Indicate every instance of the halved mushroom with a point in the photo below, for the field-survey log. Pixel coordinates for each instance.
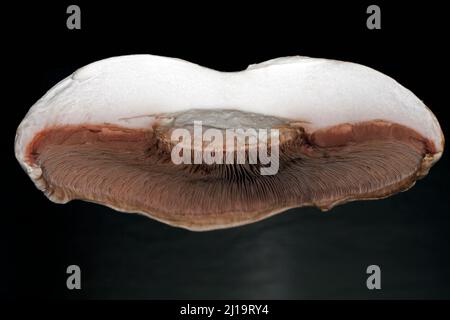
(346, 132)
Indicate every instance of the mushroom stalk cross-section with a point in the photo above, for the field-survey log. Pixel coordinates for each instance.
(344, 132)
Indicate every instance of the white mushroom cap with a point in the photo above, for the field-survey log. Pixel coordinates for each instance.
(131, 91)
(320, 91)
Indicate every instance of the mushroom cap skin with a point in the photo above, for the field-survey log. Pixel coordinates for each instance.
(337, 121)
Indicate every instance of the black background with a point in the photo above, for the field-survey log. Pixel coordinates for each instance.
(303, 253)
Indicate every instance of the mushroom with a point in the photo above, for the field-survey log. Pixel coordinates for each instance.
(345, 132)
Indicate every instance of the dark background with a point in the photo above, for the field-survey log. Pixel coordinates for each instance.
(302, 253)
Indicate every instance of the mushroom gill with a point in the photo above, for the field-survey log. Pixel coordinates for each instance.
(346, 132)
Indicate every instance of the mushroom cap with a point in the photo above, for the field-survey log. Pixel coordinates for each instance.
(133, 91)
